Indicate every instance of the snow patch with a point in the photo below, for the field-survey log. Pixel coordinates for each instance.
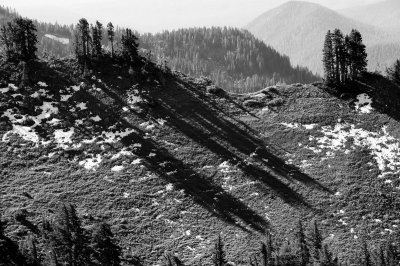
(42, 84)
(24, 132)
(96, 118)
(225, 167)
(91, 163)
(82, 106)
(63, 137)
(290, 125)
(58, 39)
(384, 148)
(117, 168)
(364, 104)
(136, 161)
(121, 153)
(65, 98)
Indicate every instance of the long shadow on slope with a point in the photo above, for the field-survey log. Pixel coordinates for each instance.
(203, 124)
(203, 191)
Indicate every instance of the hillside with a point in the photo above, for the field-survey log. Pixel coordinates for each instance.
(170, 165)
(298, 28)
(383, 14)
(234, 59)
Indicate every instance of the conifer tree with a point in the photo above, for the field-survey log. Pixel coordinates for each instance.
(303, 252)
(129, 46)
(316, 241)
(219, 253)
(26, 39)
(266, 250)
(97, 36)
(111, 34)
(328, 59)
(338, 53)
(71, 244)
(394, 72)
(18, 39)
(357, 54)
(82, 41)
(105, 251)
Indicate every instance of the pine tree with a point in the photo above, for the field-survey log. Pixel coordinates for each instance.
(82, 41)
(357, 54)
(129, 46)
(219, 253)
(111, 34)
(97, 36)
(328, 59)
(18, 40)
(338, 52)
(266, 250)
(105, 251)
(394, 72)
(68, 239)
(26, 38)
(303, 251)
(316, 241)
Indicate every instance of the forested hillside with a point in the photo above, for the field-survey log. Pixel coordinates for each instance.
(234, 59)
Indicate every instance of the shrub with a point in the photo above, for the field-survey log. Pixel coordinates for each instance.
(253, 104)
(214, 90)
(276, 102)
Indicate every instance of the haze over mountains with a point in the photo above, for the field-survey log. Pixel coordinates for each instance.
(298, 28)
(384, 14)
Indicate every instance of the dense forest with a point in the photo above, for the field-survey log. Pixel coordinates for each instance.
(234, 59)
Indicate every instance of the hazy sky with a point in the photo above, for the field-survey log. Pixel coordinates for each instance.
(156, 15)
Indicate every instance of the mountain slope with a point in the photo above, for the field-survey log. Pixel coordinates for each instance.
(384, 14)
(298, 30)
(170, 166)
(232, 58)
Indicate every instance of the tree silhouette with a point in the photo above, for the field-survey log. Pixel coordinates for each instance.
(219, 257)
(111, 34)
(105, 251)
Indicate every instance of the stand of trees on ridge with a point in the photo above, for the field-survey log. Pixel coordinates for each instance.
(344, 57)
(18, 45)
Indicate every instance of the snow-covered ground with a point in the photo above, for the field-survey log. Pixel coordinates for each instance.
(63, 138)
(364, 104)
(345, 137)
(58, 39)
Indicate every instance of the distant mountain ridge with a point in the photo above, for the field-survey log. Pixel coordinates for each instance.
(384, 14)
(297, 29)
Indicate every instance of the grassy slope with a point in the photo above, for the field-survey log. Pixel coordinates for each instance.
(269, 183)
